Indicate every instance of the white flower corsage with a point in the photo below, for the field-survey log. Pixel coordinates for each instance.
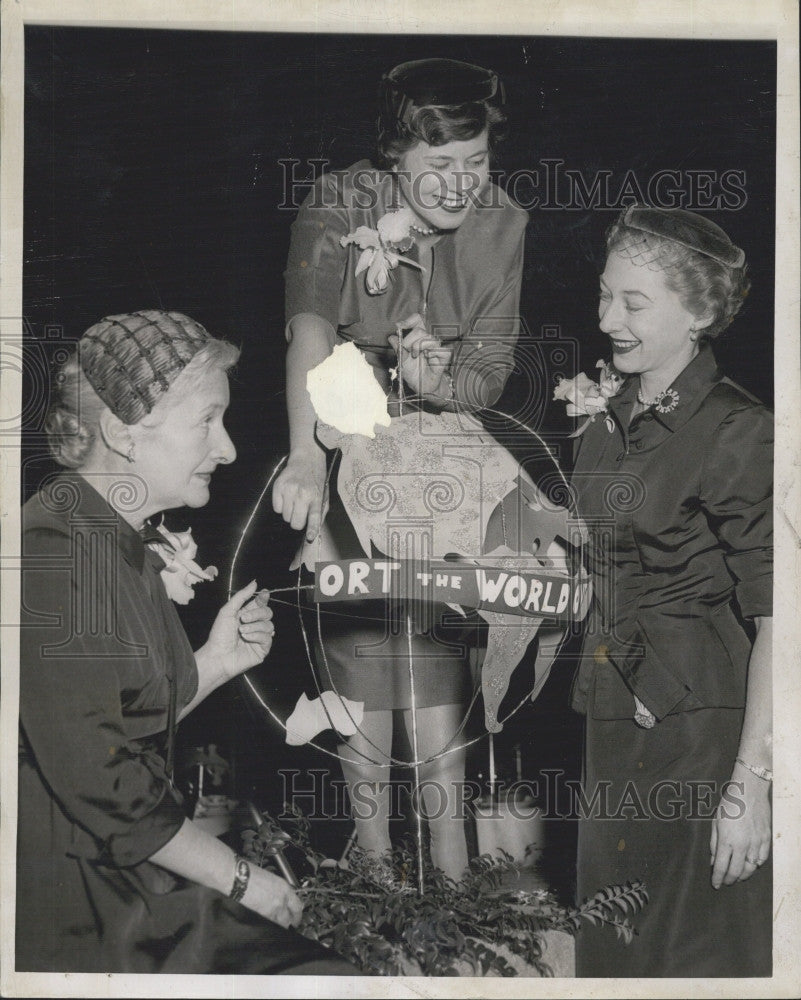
(381, 248)
(181, 572)
(587, 398)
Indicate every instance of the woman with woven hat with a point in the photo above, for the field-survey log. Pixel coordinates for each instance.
(675, 483)
(419, 263)
(111, 876)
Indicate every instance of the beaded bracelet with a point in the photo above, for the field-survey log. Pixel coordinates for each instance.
(760, 772)
(241, 879)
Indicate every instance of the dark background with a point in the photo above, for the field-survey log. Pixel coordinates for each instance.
(152, 179)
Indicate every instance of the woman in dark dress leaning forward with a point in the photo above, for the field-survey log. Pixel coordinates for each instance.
(675, 482)
(111, 875)
(447, 327)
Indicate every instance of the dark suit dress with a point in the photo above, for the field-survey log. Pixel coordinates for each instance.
(679, 510)
(100, 645)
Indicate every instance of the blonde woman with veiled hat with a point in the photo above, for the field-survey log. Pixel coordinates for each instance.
(111, 875)
(674, 481)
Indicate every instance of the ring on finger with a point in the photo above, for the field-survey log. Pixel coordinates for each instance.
(754, 861)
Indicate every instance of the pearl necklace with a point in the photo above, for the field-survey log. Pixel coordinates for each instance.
(423, 230)
(647, 402)
(664, 402)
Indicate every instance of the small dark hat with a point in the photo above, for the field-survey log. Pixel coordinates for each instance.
(687, 229)
(438, 83)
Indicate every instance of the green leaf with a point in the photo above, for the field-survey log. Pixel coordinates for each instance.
(382, 931)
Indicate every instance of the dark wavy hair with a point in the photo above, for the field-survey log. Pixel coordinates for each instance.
(437, 126)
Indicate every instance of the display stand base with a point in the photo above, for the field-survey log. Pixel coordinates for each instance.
(516, 828)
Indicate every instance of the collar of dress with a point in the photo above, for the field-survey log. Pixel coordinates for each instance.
(692, 386)
(90, 506)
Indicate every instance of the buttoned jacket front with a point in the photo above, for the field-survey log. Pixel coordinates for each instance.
(678, 506)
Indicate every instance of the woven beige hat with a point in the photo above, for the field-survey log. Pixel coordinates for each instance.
(132, 359)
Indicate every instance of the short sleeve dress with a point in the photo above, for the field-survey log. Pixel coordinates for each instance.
(101, 644)
(473, 294)
(679, 509)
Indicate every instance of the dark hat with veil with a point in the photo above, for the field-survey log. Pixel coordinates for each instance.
(687, 229)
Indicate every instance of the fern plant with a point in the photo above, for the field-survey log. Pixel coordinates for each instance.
(371, 914)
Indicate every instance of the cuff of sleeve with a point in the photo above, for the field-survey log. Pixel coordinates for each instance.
(755, 597)
(312, 290)
(188, 690)
(147, 834)
(648, 677)
(476, 388)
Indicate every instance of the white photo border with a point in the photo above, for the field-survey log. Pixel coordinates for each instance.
(720, 19)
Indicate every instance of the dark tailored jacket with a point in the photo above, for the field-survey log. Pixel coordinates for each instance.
(679, 508)
(99, 641)
(474, 290)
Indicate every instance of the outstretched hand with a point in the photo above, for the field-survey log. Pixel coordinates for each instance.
(242, 633)
(299, 493)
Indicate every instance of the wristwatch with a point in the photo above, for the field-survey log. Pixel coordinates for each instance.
(241, 879)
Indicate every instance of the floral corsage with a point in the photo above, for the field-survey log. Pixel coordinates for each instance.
(180, 574)
(587, 398)
(381, 248)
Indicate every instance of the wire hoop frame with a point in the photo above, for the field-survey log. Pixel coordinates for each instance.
(298, 588)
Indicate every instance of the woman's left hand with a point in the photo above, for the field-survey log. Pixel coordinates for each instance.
(741, 831)
(423, 361)
(242, 633)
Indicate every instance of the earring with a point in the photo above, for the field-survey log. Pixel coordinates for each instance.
(693, 334)
(130, 455)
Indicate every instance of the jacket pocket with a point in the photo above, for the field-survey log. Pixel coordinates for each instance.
(678, 665)
(649, 666)
(706, 656)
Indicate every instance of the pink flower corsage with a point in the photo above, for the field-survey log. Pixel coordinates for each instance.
(587, 398)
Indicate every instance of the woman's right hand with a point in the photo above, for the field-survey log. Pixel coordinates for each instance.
(423, 360)
(272, 897)
(299, 492)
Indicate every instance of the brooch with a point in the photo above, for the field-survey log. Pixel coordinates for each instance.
(667, 401)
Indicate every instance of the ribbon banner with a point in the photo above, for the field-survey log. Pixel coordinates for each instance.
(539, 593)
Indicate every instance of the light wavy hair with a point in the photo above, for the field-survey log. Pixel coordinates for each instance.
(706, 287)
(73, 420)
